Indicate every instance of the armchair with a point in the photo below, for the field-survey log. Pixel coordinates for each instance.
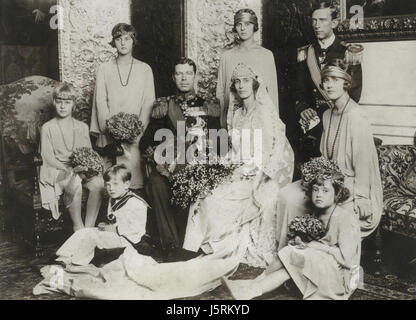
(25, 105)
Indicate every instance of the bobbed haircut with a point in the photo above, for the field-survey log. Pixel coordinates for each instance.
(119, 170)
(253, 17)
(64, 90)
(183, 60)
(325, 4)
(120, 29)
(342, 193)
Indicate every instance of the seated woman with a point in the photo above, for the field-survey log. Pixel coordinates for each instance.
(239, 217)
(234, 224)
(59, 138)
(323, 269)
(346, 139)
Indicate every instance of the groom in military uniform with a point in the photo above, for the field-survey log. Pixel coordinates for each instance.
(168, 112)
(311, 99)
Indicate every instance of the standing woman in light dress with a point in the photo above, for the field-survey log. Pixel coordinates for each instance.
(123, 84)
(347, 139)
(249, 52)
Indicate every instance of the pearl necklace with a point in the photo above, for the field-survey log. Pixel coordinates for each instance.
(128, 76)
(330, 155)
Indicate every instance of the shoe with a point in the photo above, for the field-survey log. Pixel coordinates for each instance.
(241, 289)
(105, 256)
(145, 247)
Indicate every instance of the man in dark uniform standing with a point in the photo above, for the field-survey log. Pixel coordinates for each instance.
(168, 112)
(311, 100)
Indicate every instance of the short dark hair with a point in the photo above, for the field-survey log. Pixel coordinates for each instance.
(343, 65)
(342, 193)
(119, 169)
(326, 4)
(120, 29)
(253, 16)
(183, 60)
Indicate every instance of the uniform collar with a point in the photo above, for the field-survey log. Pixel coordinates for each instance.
(325, 44)
(181, 96)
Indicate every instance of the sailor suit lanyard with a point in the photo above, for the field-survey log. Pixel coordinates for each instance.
(119, 203)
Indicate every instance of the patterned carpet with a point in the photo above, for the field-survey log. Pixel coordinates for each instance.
(19, 273)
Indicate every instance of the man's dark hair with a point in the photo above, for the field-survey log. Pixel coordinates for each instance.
(184, 60)
(325, 4)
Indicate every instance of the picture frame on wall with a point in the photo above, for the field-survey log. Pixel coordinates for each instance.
(382, 20)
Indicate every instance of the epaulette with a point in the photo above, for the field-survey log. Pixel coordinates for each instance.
(160, 107)
(213, 107)
(302, 53)
(354, 53)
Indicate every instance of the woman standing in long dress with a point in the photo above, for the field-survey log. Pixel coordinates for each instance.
(250, 53)
(234, 224)
(347, 139)
(123, 84)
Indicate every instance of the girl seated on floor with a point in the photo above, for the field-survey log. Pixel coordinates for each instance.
(125, 226)
(59, 139)
(324, 269)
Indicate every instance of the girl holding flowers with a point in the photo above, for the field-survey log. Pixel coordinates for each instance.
(123, 84)
(66, 151)
(325, 268)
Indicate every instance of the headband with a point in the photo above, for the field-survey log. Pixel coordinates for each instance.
(245, 16)
(65, 95)
(242, 71)
(333, 71)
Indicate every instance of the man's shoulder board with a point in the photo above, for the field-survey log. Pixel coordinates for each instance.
(302, 53)
(160, 107)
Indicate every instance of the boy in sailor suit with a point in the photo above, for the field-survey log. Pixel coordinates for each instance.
(126, 215)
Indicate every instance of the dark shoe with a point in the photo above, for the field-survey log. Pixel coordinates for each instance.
(145, 246)
(104, 256)
(179, 254)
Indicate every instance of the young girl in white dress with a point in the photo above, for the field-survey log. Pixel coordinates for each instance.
(59, 138)
(323, 269)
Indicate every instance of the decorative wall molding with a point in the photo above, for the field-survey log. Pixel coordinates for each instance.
(83, 43)
(208, 31)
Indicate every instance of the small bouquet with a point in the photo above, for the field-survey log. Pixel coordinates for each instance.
(195, 181)
(124, 127)
(89, 159)
(307, 228)
(315, 167)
